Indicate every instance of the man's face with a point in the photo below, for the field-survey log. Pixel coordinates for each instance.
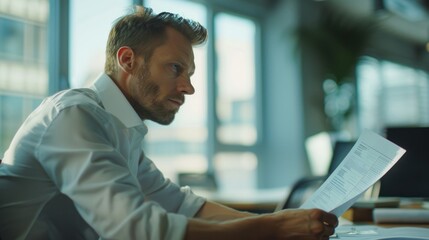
(159, 86)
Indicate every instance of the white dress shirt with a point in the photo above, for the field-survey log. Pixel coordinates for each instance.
(76, 170)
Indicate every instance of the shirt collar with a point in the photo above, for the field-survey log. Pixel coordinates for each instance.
(115, 102)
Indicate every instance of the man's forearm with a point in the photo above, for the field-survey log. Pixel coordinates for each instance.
(241, 228)
(218, 212)
(289, 224)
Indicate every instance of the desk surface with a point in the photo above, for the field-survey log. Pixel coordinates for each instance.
(370, 230)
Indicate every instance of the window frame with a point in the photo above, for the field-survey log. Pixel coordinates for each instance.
(58, 42)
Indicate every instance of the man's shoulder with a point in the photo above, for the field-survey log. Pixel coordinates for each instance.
(76, 97)
(72, 104)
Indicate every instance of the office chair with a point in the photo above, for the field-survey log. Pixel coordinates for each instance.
(301, 191)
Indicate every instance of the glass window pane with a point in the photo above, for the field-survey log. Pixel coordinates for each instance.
(90, 23)
(391, 94)
(235, 48)
(12, 36)
(182, 146)
(23, 62)
(368, 89)
(14, 107)
(236, 170)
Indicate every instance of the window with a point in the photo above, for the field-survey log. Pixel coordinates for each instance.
(235, 101)
(23, 62)
(12, 33)
(391, 94)
(236, 131)
(94, 19)
(216, 130)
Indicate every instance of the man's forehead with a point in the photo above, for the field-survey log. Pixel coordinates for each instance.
(177, 43)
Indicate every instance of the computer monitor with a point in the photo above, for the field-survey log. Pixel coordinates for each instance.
(409, 177)
(340, 150)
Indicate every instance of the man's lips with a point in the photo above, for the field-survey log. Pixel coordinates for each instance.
(178, 102)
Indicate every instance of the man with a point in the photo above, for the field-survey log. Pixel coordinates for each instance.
(76, 170)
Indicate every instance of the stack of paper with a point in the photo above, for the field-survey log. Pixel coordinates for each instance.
(370, 232)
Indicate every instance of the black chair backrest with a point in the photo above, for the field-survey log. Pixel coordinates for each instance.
(301, 191)
(339, 152)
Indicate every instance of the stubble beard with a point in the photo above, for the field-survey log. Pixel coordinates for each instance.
(149, 105)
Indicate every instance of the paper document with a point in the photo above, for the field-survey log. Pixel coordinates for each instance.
(368, 160)
(371, 232)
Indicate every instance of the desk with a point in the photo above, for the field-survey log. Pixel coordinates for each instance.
(252, 200)
(391, 210)
(369, 230)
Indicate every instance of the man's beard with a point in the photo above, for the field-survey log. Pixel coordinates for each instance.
(147, 102)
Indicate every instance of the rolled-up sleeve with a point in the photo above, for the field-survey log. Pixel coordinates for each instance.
(167, 194)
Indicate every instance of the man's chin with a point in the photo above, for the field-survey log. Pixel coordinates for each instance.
(164, 120)
(163, 117)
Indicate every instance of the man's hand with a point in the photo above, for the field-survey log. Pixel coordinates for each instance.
(304, 224)
(289, 224)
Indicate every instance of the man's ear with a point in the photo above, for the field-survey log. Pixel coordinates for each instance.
(126, 59)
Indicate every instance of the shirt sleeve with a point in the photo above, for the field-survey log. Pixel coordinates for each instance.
(167, 194)
(81, 154)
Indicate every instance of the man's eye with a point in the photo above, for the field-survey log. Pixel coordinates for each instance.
(176, 68)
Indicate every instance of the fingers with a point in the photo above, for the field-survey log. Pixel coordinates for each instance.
(324, 223)
(307, 223)
(325, 218)
(329, 219)
(328, 230)
(320, 229)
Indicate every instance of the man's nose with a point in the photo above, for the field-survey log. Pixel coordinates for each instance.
(185, 86)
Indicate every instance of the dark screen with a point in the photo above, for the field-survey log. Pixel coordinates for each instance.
(409, 177)
(341, 149)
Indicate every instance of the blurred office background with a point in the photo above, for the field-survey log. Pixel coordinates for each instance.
(275, 80)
